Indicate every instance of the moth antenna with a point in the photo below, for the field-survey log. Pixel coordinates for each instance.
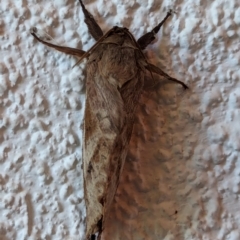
(134, 40)
(87, 53)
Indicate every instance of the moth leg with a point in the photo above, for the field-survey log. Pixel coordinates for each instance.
(152, 68)
(150, 36)
(93, 27)
(67, 50)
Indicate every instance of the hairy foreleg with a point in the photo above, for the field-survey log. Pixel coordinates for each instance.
(147, 38)
(93, 27)
(67, 50)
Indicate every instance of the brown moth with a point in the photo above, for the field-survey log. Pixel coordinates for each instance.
(116, 68)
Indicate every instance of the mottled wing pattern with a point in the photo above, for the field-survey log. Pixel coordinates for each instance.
(114, 84)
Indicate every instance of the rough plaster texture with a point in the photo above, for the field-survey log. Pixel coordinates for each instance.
(182, 176)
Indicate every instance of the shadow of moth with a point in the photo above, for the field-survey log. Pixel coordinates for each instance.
(116, 69)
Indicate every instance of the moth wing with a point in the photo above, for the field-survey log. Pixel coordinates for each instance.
(101, 128)
(108, 124)
(115, 81)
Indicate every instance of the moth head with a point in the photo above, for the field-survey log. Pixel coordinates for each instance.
(122, 32)
(119, 30)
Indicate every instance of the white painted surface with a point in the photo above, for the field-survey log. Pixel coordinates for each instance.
(182, 175)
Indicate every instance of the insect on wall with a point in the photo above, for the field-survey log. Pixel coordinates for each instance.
(116, 70)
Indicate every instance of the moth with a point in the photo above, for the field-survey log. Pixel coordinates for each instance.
(116, 71)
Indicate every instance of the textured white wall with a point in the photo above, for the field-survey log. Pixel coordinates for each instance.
(182, 177)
